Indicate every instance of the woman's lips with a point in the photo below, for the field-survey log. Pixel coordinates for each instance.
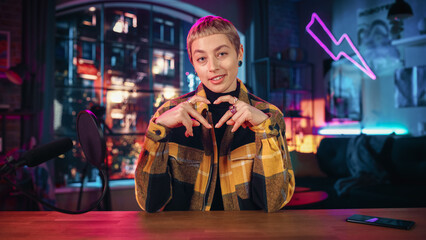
(217, 79)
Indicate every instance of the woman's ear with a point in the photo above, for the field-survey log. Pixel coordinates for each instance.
(241, 52)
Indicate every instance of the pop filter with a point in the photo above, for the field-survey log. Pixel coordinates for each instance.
(93, 144)
(91, 138)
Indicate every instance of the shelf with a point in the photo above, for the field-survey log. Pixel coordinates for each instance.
(284, 63)
(297, 117)
(289, 86)
(17, 113)
(292, 90)
(297, 91)
(419, 40)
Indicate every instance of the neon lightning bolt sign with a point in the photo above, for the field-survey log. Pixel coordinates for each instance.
(345, 36)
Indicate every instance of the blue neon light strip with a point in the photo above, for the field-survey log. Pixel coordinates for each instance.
(357, 131)
(339, 131)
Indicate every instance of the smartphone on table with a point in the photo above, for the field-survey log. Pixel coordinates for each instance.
(379, 221)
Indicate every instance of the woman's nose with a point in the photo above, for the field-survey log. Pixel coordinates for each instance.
(213, 65)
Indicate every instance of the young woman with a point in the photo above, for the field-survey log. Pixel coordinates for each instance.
(219, 147)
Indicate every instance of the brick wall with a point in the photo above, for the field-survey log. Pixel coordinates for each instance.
(10, 94)
(283, 26)
(11, 21)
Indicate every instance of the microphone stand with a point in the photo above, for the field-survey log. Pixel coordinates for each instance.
(8, 168)
(83, 176)
(99, 112)
(106, 203)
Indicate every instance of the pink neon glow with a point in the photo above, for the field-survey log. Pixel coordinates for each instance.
(364, 66)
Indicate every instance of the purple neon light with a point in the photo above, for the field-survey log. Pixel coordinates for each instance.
(345, 36)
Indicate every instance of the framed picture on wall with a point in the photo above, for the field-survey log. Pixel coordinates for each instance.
(410, 87)
(344, 91)
(4, 50)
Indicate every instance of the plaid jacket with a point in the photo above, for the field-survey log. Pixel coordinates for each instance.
(179, 173)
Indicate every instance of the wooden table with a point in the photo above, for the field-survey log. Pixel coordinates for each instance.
(287, 224)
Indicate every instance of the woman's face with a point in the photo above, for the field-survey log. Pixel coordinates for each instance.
(216, 62)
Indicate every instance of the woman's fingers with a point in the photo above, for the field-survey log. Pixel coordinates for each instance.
(195, 123)
(239, 114)
(239, 120)
(227, 98)
(193, 113)
(187, 123)
(228, 114)
(194, 99)
(183, 114)
(199, 118)
(224, 119)
(190, 113)
(232, 119)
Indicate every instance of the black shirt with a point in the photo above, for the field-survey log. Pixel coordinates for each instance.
(217, 111)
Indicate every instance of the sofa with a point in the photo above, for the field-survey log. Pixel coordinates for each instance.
(361, 172)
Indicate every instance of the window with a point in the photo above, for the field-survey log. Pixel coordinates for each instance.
(164, 31)
(122, 62)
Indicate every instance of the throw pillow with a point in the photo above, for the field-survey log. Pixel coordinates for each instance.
(305, 165)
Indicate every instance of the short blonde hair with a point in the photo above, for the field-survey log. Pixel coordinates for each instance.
(210, 25)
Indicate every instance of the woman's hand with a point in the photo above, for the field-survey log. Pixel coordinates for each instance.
(243, 114)
(184, 114)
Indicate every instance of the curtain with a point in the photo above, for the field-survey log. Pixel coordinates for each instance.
(258, 42)
(37, 96)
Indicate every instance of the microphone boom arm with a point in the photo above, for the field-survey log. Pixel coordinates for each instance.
(52, 207)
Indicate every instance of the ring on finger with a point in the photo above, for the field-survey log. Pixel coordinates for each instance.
(189, 101)
(235, 100)
(233, 109)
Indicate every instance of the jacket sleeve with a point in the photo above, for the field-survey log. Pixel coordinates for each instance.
(273, 179)
(152, 176)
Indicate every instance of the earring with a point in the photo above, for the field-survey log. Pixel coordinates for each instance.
(196, 74)
(240, 63)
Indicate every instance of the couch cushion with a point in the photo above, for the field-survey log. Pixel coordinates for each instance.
(305, 165)
(409, 158)
(331, 155)
(387, 195)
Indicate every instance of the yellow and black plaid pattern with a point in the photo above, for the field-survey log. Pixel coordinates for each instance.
(180, 173)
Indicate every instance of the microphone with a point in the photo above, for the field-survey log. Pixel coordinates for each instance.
(38, 155)
(41, 154)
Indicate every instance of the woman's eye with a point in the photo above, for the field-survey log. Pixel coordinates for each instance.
(201, 59)
(222, 54)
